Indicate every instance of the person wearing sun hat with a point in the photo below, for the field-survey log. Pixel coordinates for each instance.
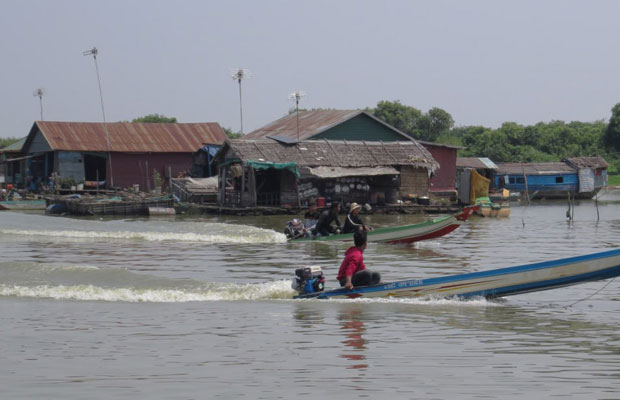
(353, 223)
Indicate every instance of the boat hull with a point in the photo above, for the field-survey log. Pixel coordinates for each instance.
(408, 233)
(22, 205)
(494, 283)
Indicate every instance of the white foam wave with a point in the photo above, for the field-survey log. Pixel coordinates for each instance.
(262, 236)
(264, 291)
(425, 301)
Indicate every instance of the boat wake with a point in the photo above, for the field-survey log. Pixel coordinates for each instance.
(245, 234)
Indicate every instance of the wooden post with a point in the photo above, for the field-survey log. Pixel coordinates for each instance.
(596, 201)
(148, 184)
(243, 183)
(170, 177)
(527, 194)
(253, 194)
(97, 183)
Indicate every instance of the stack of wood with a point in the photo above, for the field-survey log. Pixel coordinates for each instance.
(195, 190)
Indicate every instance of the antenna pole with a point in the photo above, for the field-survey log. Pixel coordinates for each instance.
(41, 103)
(240, 105)
(297, 107)
(94, 53)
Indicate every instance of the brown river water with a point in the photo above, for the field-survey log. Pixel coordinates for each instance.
(200, 307)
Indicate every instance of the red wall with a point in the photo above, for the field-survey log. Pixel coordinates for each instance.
(445, 177)
(130, 169)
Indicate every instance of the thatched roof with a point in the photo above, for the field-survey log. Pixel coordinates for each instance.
(334, 153)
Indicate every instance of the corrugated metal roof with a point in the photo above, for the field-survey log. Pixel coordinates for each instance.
(311, 123)
(587, 162)
(14, 147)
(475, 162)
(549, 168)
(129, 137)
(339, 153)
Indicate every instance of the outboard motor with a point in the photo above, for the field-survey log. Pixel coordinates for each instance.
(294, 229)
(309, 279)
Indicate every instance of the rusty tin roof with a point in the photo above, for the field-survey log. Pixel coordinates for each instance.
(130, 137)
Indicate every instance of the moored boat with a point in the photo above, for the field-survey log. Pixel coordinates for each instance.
(490, 284)
(22, 205)
(408, 233)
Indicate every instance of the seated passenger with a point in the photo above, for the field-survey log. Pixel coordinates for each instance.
(324, 225)
(353, 223)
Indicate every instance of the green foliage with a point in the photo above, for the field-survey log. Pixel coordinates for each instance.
(542, 142)
(612, 132)
(157, 179)
(613, 180)
(155, 118)
(7, 141)
(231, 134)
(412, 121)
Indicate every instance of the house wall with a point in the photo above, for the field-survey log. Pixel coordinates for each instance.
(413, 181)
(444, 178)
(38, 145)
(130, 169)
(70, 165)
(288, 193)
(361, 127)
(555, 182)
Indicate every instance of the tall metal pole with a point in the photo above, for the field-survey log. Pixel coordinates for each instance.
(240, 104)
(94, 53)
(39, 93)
(41, 103)
(297, 112)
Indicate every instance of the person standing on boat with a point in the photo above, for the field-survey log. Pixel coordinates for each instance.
(353, 222)
(324, 225)
(352, 271)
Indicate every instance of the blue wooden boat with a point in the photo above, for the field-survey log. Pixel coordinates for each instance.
(490, 284)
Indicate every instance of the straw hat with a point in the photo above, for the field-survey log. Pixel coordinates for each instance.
(354, 206)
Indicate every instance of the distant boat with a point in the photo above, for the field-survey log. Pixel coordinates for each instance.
(22, 205)
(408, 233)
(490, 284)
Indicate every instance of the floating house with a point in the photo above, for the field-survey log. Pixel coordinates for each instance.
(591, 172)
(12, 164)
(471, 175)
(119, 154)
(268, 172)
(576, 176)
(443, 180)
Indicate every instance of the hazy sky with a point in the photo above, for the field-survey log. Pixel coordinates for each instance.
(485, 62)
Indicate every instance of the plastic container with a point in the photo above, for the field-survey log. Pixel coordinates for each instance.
(320, 202)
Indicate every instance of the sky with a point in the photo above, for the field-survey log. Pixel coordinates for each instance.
(485, 62)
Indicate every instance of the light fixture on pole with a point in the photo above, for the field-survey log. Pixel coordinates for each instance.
(297, 95)
(39, 93)
(94, 53)
(238, 75)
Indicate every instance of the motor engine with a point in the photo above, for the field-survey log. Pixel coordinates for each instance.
(309, 279)
(294, 229)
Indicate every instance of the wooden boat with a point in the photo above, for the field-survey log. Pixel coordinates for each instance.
(22, 205)
(493, 283)
(408, 233)
(490, 208)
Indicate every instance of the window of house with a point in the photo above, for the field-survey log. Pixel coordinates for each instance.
(559, 179)
(520, 180)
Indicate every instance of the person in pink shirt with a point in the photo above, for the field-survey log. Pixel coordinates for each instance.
(352, 271)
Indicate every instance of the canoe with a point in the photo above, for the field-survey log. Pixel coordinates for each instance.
(493, 283)
(408, 233)
(22, 205)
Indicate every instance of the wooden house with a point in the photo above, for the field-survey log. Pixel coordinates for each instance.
(443, 180)
(12, 165)
(119, 154)
(591, 173)
(464, 167)
(267, 172)
(537, 180)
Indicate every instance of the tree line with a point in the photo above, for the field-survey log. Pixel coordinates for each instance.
(512, 142)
